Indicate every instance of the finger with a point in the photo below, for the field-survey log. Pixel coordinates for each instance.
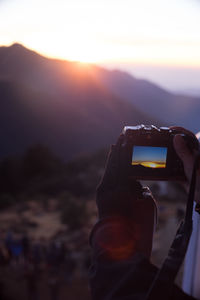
(112, 165)
(198, 136)
(120, 140)
(182, 149)
(182, 130)
(184, 154)
(113, 155)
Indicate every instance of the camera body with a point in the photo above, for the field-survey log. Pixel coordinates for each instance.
(148, 153)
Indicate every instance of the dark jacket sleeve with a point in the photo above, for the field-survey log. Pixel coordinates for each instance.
(117, 273)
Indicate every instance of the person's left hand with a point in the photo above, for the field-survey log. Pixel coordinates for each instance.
(125, 206)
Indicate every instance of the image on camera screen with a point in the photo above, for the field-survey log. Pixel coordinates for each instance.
(149, 157)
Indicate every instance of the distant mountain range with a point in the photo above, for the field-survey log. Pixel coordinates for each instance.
(75, 108)
(190, 92)
(57, 103)
(169, 108)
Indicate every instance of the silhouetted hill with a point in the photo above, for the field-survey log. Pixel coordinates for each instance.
(73, 107)
(60, 104)
(149, 98)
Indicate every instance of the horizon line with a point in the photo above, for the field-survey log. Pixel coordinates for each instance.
(106, 61)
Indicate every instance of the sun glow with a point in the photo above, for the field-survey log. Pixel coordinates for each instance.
(150, 164)
(149, 156)
(105, 31)
(86, 52)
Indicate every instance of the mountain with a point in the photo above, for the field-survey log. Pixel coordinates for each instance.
(190, 92)
(57, 103)
(74, 108)
(171, 109)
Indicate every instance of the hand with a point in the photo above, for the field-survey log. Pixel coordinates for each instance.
(125, 204)
(188, 159)
(116, 193)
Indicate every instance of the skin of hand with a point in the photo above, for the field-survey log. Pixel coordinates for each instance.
(188, 159)
(127, 203)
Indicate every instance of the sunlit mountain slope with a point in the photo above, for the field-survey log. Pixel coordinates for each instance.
(60, 104)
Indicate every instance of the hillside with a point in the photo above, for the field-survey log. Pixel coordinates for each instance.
(149, 98)
(77, 108)
(60, 104)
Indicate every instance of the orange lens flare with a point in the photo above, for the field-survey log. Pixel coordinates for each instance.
(118, 242)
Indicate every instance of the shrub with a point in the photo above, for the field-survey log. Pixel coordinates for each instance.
(73, 211)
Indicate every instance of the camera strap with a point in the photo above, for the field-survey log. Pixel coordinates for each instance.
(162, 285)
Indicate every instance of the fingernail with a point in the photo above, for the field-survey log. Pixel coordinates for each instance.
(179, 140)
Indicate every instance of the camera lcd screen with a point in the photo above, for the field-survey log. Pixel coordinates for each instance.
(149, 157)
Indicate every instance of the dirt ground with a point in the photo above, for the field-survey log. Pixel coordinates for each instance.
(18, 288)
(46, 223)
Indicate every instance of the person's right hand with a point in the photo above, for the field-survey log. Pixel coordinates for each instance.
(188, 159)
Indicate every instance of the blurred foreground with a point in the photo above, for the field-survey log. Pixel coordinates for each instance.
(47, 212)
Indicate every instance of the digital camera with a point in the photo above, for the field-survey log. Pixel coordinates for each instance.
(148, 153)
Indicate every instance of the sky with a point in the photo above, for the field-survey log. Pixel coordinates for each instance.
(154, 39)
(153, 154)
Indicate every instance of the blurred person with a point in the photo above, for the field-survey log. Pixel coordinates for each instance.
(25, 246)
(36, 252)
(9, 241)
(31, 275)
(69, 265)
(4, 252)
(54, 256)
(16, 248)
(121, 240)
(54, 284)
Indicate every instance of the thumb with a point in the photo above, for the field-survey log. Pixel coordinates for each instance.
(184, 154)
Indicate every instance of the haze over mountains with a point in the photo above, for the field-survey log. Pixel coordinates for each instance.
(75, 108)
(169, 108)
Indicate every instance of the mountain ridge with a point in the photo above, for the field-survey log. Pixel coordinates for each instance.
(73, 107)
(58, 106)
